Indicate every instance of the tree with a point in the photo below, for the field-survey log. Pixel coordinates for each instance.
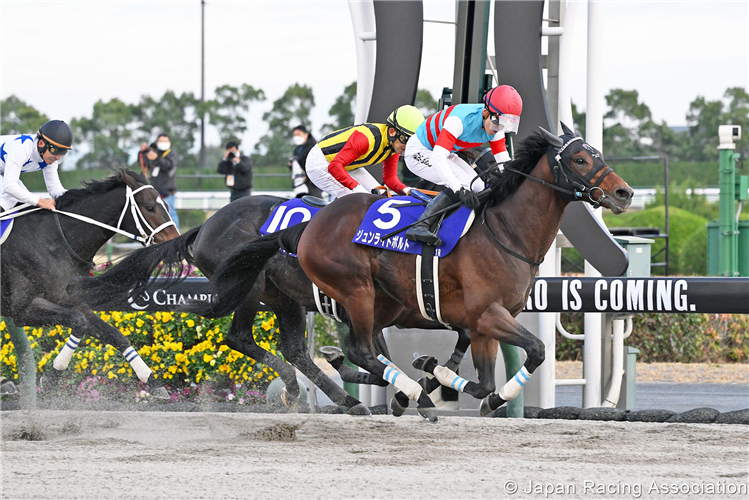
(342, 111)
(225, 111)
(17, 117)
(176, 116)
(427, 104)
(629, 123)
(291, 109)
(106, 135)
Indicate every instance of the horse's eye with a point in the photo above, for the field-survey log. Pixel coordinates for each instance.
(150, 209)
(579, 161)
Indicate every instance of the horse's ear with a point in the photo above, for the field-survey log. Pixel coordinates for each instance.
(567, 130)
(551, 138)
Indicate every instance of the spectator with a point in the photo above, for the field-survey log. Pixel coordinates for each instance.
(161, 164)
(238, 171)
(303, 142)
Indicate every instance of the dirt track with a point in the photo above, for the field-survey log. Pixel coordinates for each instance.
(218, 455)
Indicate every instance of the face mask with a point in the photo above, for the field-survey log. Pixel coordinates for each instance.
(163, 146)
(298, 140)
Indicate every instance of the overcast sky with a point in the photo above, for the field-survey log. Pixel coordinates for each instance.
(61, 56)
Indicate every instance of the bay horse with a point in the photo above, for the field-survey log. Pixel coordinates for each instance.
(484, 283)
(47, 250)
(280, 285)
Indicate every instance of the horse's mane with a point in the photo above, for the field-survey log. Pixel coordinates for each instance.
(95, 187)
(528, 154)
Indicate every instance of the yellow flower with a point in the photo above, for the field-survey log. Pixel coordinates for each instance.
(207, 358)
(190, 323)
(139, 322)
(111, 375)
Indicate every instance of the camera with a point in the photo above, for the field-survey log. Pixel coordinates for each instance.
(231, 156)
(729, 134)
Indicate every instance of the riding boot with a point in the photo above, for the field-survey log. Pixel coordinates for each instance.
(425, 229)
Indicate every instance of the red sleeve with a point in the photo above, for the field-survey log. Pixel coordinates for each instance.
(356, 145)
(390, 174)
(498, 146)
(446, 140)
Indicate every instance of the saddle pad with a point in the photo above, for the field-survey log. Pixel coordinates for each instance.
(384, 217)
(5, 227)
(287, 214)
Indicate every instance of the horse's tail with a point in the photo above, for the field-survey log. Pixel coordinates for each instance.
(131, 276)
(236, 275)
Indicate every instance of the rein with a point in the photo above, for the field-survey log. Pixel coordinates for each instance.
(572, 190)
(145, 238)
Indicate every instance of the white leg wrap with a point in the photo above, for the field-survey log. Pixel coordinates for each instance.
(512, 388)
(387, 362)
(401, 382)
(449, 378)
(139, 366)
(62, 360)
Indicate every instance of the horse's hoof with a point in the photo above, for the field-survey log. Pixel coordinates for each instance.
(425, 363)
(288, 401)
(156, 389)
(489, 404)
(426, 408)
(429, 414)
(7, 387)
(359, 410)
(397, 407)
(49, 380)
(333, 355)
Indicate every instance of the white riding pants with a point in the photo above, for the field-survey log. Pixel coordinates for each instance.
(418, 160)
(317, 172)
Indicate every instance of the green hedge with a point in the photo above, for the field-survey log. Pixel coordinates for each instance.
(673, 338)
(72, 179)
(683, 225)
(650, 173)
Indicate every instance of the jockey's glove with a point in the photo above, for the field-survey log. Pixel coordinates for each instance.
(469, 198)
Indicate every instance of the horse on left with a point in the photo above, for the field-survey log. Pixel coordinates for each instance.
(47, 250)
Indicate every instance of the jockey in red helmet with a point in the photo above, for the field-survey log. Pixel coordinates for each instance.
(430, 153)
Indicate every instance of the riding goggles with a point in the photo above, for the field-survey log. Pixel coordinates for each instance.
(509, 123)
(56, 150)
(400, 136)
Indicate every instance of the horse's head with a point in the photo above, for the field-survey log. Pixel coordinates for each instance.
(580, 168)
(150, 215)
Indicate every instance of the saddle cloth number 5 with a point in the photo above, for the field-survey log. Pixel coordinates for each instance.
(387, 209)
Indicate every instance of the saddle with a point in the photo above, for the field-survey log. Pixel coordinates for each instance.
(314, 201)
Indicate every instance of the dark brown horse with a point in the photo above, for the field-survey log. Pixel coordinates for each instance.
(484, 282)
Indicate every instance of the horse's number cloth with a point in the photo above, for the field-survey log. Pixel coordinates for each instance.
(385, 216)
(287, 214)
(5, 226)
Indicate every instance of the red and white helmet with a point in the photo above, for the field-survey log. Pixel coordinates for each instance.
(505, 106)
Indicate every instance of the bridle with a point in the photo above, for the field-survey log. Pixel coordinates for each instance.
(571, 185)
(144, 237)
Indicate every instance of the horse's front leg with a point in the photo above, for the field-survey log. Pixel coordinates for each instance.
(497, 323)
(85, 322)
(484, 354)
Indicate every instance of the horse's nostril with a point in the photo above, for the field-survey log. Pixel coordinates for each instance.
(624, 194)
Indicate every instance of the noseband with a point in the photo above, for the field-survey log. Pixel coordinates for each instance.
(140, 219)
(573, 186)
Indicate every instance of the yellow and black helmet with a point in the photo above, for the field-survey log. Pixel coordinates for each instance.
(405, 120)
